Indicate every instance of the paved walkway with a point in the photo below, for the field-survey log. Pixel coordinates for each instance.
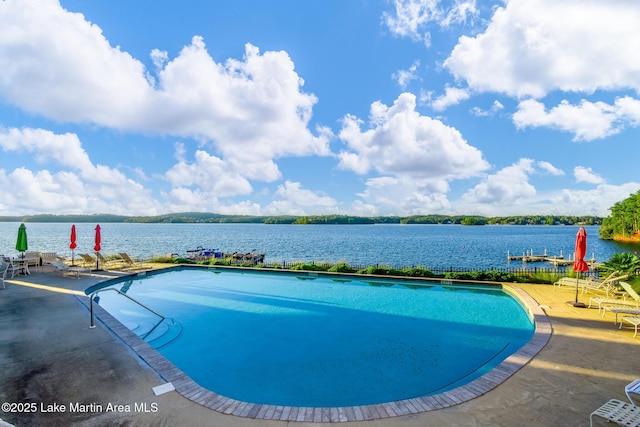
(50, 361)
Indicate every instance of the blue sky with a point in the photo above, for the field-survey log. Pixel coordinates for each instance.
(361, 107)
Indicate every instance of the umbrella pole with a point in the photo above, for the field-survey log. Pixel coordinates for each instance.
(576, 303)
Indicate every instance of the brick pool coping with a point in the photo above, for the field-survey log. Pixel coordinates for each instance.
(189, 389)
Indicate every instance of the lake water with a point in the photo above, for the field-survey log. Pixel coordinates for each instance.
(435, 246)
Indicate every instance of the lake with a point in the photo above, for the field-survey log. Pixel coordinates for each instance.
(435, 246)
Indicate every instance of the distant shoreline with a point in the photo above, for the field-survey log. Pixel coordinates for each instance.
(626, 239)
(203, 217)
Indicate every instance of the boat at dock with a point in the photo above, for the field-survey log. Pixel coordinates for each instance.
(205, 254)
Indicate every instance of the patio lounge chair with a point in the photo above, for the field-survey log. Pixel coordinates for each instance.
(619, 412)
(629, 291)
(88, 260)
(47, 258)
(632, 387)
(570, 281)
(66, 270)
(130, 262)
(620, 309)
(103, 262)
(608, 285)
(4, 267)
(634, 320)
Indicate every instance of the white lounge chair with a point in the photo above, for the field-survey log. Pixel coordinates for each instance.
(632, 388)
(47, 258)
(130, 262)
(608, 285)
(4, 267)
(628, 291)
(619, 412)
(66, 270)
(634, 320)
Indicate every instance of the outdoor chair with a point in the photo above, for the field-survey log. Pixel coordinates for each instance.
(13, 268)
(608, 285)
(4, 267)
(103, 262)
(87, 260)
(632, 388)
(46, 258)
(66, 270)
(628, 291)
(129, 262)
(634, 320)
(572, 282)
(619, 412)
(620, 309)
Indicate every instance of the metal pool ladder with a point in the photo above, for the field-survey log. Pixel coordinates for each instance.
(93, 294)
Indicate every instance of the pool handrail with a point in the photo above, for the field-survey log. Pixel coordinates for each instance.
(94, 293)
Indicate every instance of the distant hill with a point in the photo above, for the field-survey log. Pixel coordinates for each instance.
(205, 217)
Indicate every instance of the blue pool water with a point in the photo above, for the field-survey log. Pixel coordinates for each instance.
(300, 340)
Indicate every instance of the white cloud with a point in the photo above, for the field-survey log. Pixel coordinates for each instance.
(210, 174)
(292, 199)
(533, 48)
(452, 96)
(495, 107)
(83, 188)
(508, 186)
(404, 77)
(403, 143)
(461, 12)
(412, 18)
(596, 201)
(57, 64)
(583, 174)
(549, 168)
(402, 196)
(586, 121)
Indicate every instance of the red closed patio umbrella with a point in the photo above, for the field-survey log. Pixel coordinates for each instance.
(73, 244)
(579, 265)
(97, 247)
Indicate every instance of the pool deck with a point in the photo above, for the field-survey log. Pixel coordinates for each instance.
(51, 358)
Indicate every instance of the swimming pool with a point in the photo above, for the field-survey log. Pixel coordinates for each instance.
(306, 340)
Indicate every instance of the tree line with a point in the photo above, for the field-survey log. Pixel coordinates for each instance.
(624, 220)
(205, 217)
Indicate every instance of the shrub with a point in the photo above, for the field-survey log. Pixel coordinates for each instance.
(342, 267)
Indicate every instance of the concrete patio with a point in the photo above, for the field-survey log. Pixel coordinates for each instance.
(51, 360)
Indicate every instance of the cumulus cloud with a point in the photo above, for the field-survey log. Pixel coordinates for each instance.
(507, 186)
(595, 201)
(402, 142)
(584, 174)
(292, 199)
(586, 121)
(452, 96)
(533, 48)
(402, 196)
(84, 187)
(57, 64)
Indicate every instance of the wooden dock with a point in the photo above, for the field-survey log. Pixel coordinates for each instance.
(556, 260)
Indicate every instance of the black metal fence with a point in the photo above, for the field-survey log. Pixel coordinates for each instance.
(440, 271)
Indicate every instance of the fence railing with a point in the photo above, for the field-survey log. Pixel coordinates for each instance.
(518, 272)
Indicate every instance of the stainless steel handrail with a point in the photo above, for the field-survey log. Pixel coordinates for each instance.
(92, 325)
